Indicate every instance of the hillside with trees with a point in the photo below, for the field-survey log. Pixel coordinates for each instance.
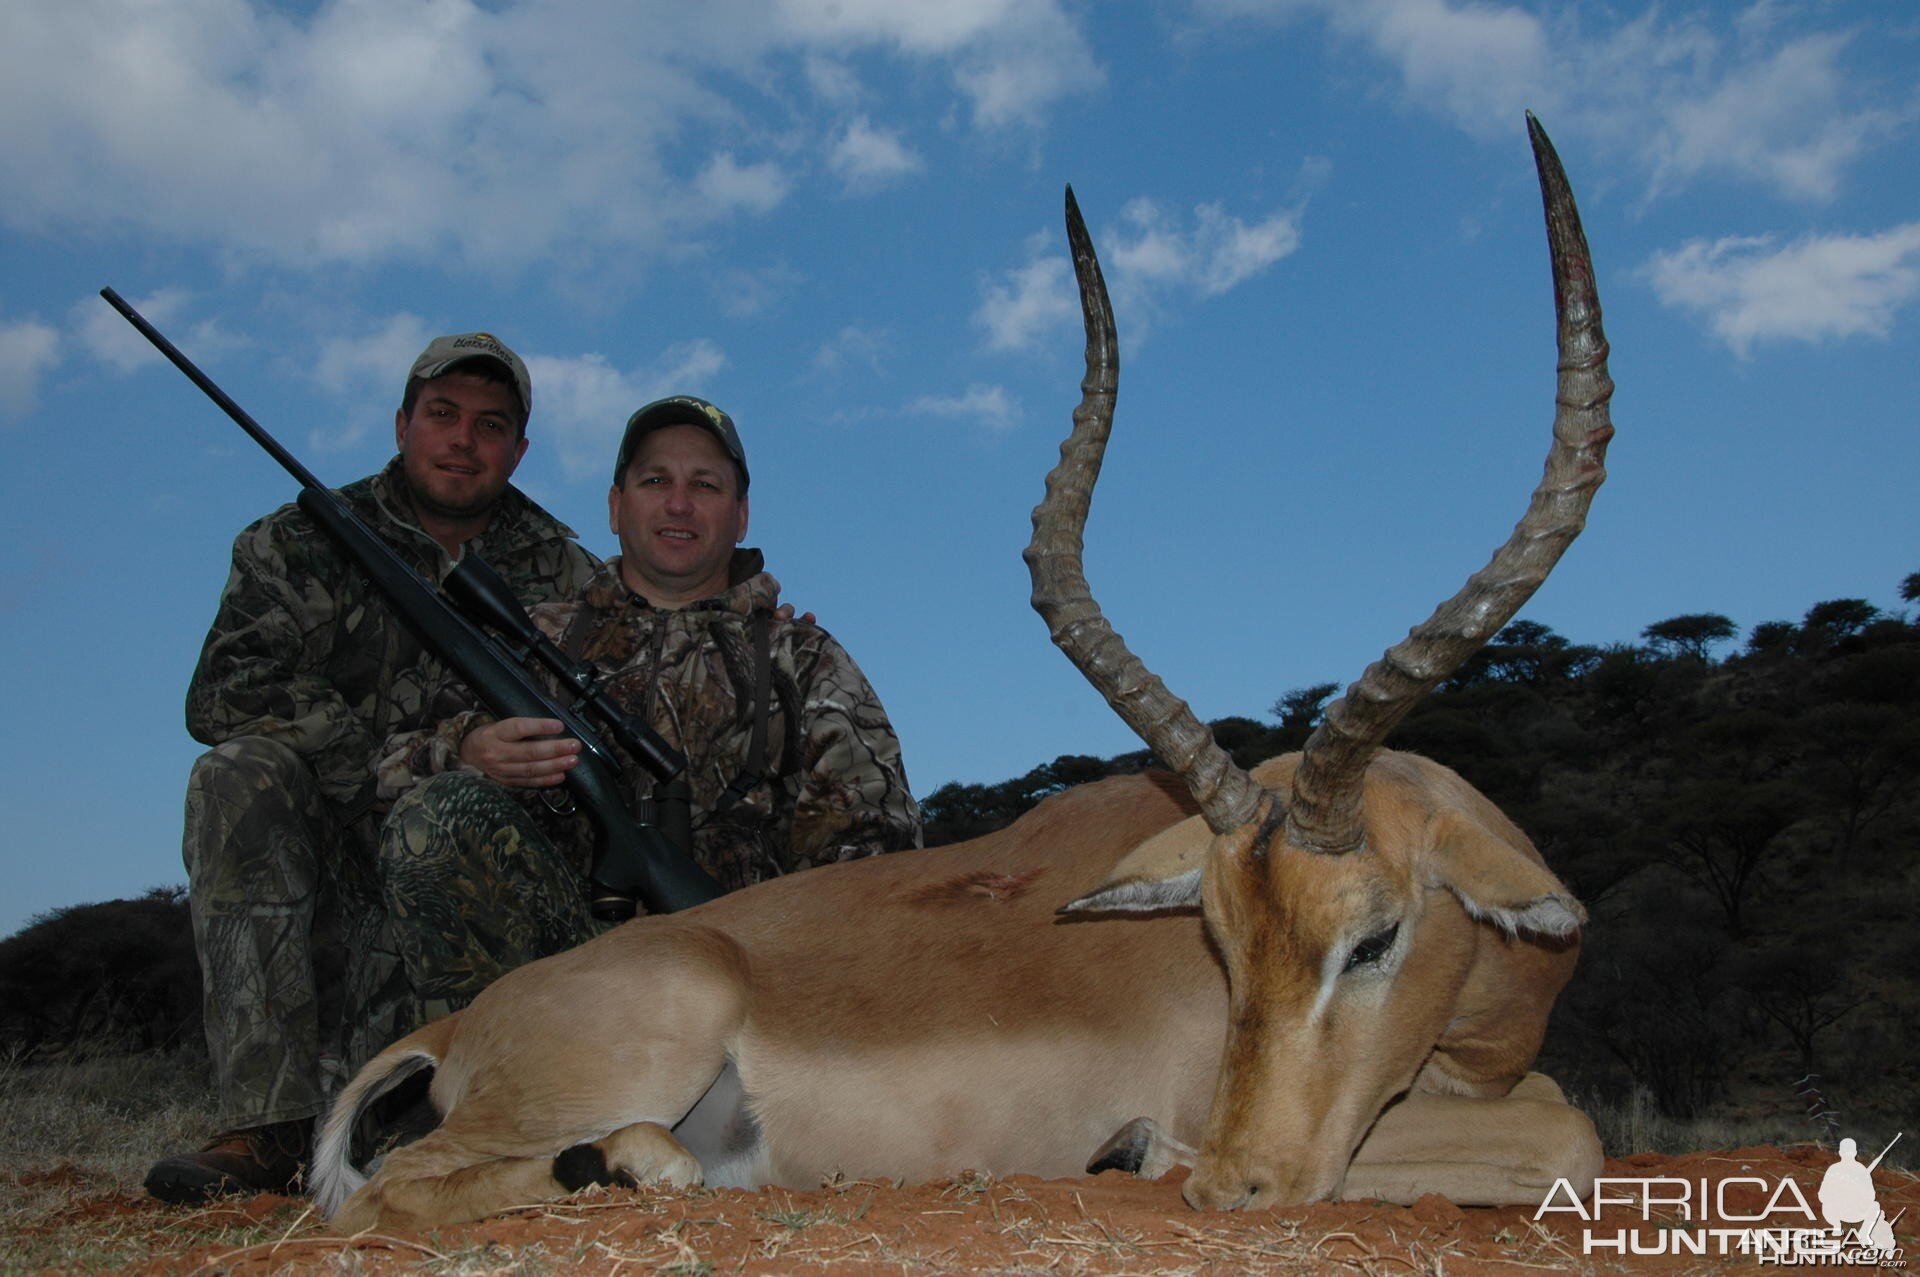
(1740, 821)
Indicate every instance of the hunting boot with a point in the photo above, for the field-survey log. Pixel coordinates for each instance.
(261, 1159)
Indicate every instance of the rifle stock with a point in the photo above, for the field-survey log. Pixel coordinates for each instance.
(633, 858)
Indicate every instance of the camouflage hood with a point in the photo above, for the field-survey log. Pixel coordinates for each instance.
(750, 586)
(518, 524)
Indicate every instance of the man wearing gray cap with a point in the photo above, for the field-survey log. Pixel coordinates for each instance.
(304, 675)
(790, 757)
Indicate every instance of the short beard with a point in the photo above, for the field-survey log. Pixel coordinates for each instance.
(424, 503)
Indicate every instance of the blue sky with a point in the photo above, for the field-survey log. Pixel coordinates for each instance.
(841, 221)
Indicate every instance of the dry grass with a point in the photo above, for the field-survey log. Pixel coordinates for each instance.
(83, 1128)
(108, 1117)
(1636, 1125)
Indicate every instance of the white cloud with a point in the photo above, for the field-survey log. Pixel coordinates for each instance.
(1478, 64)
(988, 406)
(368, 372)
(919, 28)
(582, 402)
(727, 184)
(1150, 257)
(830, 79)
(1683, 95)
(1213, 254)
(373, 362)
(28, 348)
(867, 158)
(113, 341)
(740, 292)
(1147, 249)
(1776, 119)
(1481, 65)
(1820, 288)
(1015, 84)
(1030, 301)
(226, 123)
(1232, 252)
(1011, 58)
(853, 344)
(503, 134)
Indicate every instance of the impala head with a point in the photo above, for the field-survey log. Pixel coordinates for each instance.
(1352, 895)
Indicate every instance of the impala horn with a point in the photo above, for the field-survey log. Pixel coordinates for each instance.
(1323, 814)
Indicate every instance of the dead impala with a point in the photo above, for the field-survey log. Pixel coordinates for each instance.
(1352, 1012)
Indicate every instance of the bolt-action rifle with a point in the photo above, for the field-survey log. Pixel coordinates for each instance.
(464, 623)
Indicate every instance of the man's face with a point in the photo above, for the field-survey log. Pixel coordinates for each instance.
(460, 445)
(678, 513)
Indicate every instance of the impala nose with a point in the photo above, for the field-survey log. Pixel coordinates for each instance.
(1228, 1189)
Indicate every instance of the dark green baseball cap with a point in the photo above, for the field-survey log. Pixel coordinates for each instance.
(681, 410)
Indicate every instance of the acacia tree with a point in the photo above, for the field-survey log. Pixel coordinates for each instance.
(1801, 989)
(1720, 834)
(1525, 652)
(1829, 622)
(1691, 635)
(1301, 706)
(1864, 756)
(1743, 746)
(1772, 637)
(1649, 996)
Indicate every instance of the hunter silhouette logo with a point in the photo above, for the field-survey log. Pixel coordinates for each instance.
(1689, 1217)
(1847, 1197)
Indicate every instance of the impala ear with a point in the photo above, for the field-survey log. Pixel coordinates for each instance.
(1161, 873)
(1496, 881)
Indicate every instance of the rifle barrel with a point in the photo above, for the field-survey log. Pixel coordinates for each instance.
(212, 391)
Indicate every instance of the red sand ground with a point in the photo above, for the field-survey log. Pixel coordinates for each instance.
(1099, 1225)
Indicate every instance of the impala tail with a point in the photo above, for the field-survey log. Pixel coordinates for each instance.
(335, 1177)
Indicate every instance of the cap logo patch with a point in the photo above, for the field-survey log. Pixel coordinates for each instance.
(481, 341)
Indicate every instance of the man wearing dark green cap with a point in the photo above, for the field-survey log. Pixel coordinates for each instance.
(791, 759)
(304, 675)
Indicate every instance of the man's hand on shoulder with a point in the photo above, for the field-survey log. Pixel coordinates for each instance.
(525, 753)
(785, 613)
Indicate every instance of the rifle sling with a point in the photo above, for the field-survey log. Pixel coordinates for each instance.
(755, 771)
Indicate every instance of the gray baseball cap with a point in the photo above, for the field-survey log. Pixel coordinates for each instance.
(681, 410)
(445, 352)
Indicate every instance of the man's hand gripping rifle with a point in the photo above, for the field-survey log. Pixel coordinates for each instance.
(463, 623)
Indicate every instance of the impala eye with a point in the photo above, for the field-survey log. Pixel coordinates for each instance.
(1369, 951)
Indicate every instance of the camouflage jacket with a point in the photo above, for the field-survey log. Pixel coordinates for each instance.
(835, 788)
(304, 650)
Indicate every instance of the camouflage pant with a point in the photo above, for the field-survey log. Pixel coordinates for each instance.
(277, 907)
(323, 939)
(473, 888)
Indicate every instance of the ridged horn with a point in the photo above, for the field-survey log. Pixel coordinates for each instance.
(1228, 797)
(1325, 811)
